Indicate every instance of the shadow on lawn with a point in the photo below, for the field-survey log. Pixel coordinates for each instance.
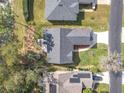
(80, 17)
(94, 91)
(76, 58)
(31, 10)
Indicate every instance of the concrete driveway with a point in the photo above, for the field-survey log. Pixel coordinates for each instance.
(102, 37)
(105, 77)
(104, 2)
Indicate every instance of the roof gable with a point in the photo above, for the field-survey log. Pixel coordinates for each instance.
(62, 9)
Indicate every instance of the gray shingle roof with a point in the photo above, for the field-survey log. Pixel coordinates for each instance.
(64, 40)
(66, 10)
(61, 9)
(67, 83)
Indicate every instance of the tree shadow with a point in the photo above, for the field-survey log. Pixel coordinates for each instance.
(31, 9)
(95, 46)
(76, 58)
(80, 17)
(85, 6)
(28, 10)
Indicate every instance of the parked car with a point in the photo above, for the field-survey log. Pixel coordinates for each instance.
(97, 78)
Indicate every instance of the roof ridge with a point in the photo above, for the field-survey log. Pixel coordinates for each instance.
(54, 8)
(64, 6)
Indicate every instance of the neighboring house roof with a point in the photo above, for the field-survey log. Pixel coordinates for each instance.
(72, 82)
(63, 40)
(64, 10)
(61, 9)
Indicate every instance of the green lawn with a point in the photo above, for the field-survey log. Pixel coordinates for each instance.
(89, 60)
(102, 88)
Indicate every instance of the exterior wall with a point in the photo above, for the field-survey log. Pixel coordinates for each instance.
(76, 47)
(86, 1)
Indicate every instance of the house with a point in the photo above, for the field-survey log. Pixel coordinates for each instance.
(60, 43)
(68, 82)
(66, 10)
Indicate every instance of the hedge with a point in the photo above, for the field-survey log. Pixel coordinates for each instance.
(28, 9)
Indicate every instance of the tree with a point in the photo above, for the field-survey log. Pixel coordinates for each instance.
(111, 63)
(115, 42)
(16, 77)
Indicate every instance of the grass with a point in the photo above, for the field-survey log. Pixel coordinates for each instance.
(20, 20)
(98, 20)
(90, 59)
(102, 88)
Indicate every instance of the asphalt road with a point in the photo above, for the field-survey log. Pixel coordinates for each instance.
(115, 27)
